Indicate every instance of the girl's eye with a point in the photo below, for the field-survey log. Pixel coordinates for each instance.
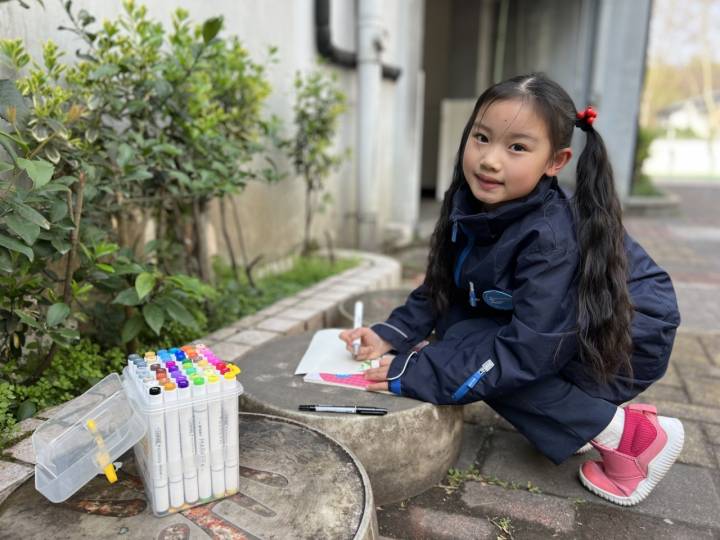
(480, 137)
(518, 147)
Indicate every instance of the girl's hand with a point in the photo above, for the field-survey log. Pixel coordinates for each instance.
(379, 373)
(371, 345)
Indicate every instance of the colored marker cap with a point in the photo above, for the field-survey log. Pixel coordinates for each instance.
(183, 383)
(169, 386)
(198, 381)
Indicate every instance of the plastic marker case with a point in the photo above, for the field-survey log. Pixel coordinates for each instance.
(181, 427)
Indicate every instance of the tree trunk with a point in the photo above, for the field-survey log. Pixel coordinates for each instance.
(199, 207)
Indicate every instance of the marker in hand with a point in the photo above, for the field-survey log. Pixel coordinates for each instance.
(357, 323)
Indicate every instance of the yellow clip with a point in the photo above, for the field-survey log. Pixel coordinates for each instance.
(102, 456)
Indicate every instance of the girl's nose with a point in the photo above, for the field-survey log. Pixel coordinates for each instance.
(490, 161)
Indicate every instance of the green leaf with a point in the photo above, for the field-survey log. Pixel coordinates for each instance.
(57, 313)
(144, 283)
(58, 210)
(6, 166)
(32, 215)
(154, 317)
(39, 170)
(61, 245)
(10, 96)
(179, 312)
(128, 297)
(105, 249)
(14, 245)
(26, 409)
(106, 268)
(27, 318)
(211, 27)
(125, 154)
(24, 229)
(105, 70)
(131, 328)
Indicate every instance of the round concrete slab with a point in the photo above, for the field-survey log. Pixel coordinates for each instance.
(404, 452)
(295, 482)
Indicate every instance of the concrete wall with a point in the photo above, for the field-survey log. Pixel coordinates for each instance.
(271, 215)
(683, 158)
(596, 50)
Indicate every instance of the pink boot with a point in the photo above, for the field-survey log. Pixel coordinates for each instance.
(649, 446)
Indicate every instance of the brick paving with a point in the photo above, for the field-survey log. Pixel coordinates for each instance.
(514, 492)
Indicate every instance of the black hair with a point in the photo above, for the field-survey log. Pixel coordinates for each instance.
(605, 310)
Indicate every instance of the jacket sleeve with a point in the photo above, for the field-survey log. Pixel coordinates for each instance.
(538, 340)
(410, 323)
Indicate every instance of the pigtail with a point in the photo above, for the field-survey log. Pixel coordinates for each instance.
(604, 307)
(438, 277)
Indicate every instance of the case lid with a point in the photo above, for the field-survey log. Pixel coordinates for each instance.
(92, 431)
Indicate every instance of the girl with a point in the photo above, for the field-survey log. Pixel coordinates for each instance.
(542, 305)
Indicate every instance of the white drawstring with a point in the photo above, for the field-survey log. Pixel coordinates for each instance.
(404, 367)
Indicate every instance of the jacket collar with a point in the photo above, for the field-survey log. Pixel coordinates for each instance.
(468, 212)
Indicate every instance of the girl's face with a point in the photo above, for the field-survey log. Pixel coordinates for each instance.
(507, 152)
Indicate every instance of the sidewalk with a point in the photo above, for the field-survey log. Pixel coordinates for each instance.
(508, 490)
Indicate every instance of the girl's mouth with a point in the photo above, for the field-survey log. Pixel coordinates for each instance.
(487, 182)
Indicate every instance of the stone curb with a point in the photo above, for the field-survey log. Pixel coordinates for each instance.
(310, 309)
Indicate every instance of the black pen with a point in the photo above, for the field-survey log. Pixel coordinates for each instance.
(347, 409)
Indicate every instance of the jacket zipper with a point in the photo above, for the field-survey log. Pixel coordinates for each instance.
(473, 298)
(463, 255)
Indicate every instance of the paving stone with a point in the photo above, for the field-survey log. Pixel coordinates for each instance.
(663, 392)
(704, 391)
(600, 521)
(288, 327)
(695, 450)
(316, 322)
(688, 348)
(249, 321)
(699, 371)
(713, 433)
(220, 335)
(688, 411)
(712, 346)
(313, 303)
(438, 525)
(687, 490)
(22, 451)
(482, 414)
(253, 337)
(671, 377)
(230, 352)
(271, 310)
(473, 440)
(11, 476)
(553, 513)
(287, 302)
(302, 314)
(28, 426)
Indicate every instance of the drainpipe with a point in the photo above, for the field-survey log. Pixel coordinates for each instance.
(369, 33)
(339, 57)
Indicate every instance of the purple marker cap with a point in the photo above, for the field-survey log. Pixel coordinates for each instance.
(171, 364)
(182, 383)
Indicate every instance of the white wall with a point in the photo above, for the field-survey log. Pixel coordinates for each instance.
(272, 216)
(683, 157)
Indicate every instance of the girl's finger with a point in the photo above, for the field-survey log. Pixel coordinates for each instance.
(376, 374)
(378, 387)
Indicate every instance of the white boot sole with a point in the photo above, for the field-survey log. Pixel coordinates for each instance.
(657, 468)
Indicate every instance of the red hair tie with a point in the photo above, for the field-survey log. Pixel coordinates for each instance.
(586, 118)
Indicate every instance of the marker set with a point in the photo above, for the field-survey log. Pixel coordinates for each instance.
(189, 401)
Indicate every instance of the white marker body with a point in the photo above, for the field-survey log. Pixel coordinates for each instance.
(217, 461)
(230, 435)
(187, 445)
(174, 452)
(158, 468)
(357, 323)
(202, 450)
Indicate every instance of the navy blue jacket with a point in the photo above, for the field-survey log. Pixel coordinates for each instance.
(515, 304)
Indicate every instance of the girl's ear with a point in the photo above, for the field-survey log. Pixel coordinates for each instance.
(556, 164)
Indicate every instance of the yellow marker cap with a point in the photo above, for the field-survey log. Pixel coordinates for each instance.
(213, 378)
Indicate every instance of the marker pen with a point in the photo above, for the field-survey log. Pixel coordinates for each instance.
(215, 420)
(200, 417)
(158, 468)
(230, 433)
(174, 450)
(187, 442)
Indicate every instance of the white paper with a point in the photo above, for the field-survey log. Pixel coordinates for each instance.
(327, 354)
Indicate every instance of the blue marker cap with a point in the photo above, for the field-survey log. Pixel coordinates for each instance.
(179, 355)
(161, 351)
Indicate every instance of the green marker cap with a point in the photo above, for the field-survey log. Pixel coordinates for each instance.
(198, 381)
